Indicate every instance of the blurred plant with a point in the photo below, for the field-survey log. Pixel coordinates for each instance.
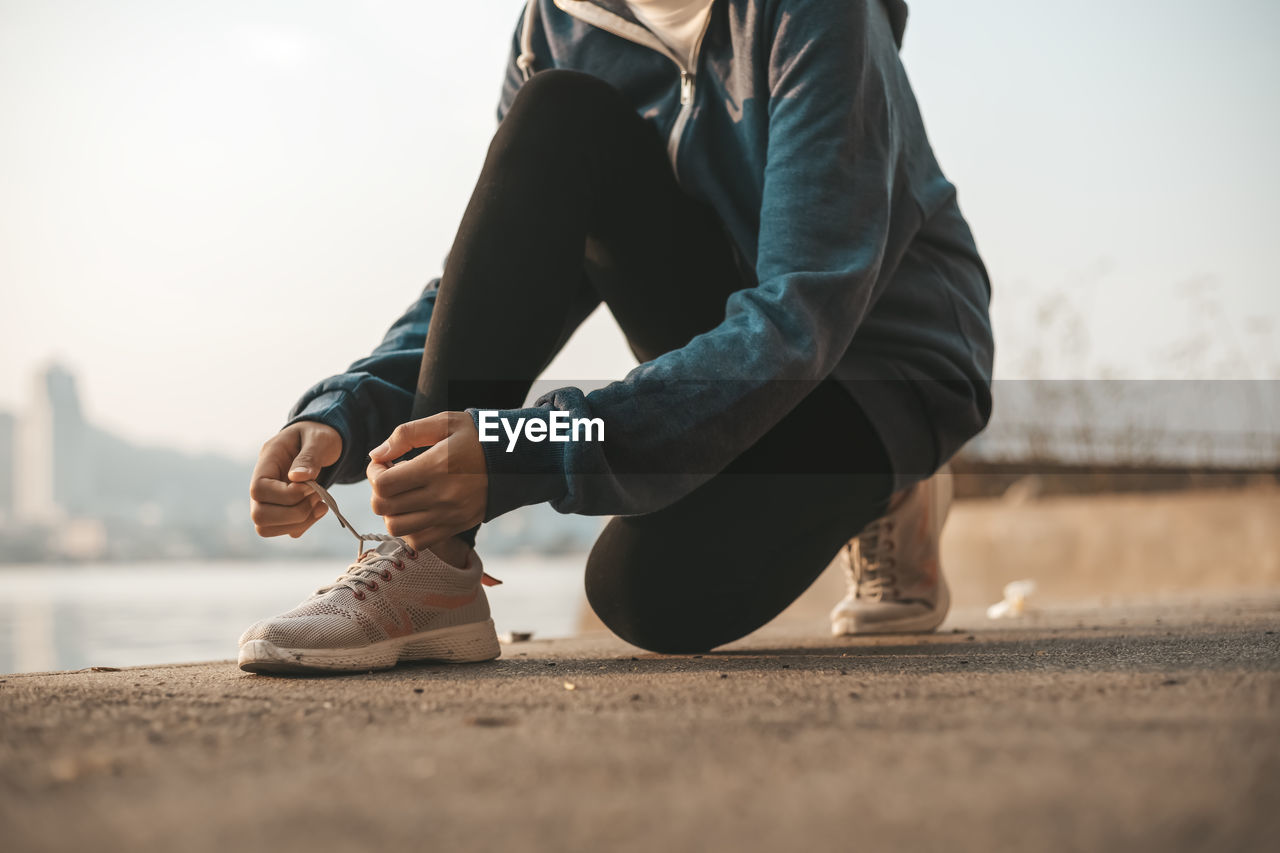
(1060, 419)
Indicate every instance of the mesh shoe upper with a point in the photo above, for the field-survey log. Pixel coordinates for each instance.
(390, 591)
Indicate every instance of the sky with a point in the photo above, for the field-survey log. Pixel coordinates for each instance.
(206, 207)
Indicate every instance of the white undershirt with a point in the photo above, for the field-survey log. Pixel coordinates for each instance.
(677, 23)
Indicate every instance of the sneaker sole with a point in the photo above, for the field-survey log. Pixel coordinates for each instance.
(457, 644)
(848, 626)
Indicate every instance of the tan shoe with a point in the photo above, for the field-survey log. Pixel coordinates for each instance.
(895, 578)
(394, 603)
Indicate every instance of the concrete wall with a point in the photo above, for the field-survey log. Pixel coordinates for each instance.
(1102, 548)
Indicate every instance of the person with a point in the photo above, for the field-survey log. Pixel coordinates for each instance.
(747, 186)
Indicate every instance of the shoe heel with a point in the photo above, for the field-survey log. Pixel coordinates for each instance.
(464, 644)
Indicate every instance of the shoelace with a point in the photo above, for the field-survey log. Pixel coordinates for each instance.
(361, 573)
(361, 538)
(872, 571)
(367, 563)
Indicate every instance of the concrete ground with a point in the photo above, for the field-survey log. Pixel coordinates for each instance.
(1152, 727)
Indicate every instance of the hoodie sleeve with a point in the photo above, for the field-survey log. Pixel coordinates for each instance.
(827, 206)
(374, 395)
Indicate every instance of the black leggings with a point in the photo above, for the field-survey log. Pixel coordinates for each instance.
(577, 203)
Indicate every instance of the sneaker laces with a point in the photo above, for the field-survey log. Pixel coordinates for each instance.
(368, 563)
(364, 572)
(871, 568)
(361, 538)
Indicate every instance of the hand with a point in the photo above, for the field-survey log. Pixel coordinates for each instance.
(437, 494)
(280, 502)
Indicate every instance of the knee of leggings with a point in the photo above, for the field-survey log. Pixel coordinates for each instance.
(650, 613)
(564, 101)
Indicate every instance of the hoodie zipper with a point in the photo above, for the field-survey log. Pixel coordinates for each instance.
(585, 10)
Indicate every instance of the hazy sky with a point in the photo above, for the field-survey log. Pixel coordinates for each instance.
(205, 207)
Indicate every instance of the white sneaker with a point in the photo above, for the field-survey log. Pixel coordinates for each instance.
(895, 578)
(392, 604)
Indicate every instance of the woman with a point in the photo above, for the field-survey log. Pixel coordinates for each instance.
(748, 187)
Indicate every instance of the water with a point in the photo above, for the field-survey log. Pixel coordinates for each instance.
(70, 617)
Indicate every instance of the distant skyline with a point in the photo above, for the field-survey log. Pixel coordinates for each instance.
(80, 493)
(206, 207)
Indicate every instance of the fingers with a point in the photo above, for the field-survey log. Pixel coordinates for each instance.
(280, 502)
(410, 523)
(434, 499)
(450, 509)
(424, 490)
(412, 500)
(268, 490)
(420, 433)
(430, 495)
(374, 471)
(424, 471)
(274, 515)
(321, 447)
(304, 468)
(293, 521)
(273, 458)
(319, 513)
(269, 483)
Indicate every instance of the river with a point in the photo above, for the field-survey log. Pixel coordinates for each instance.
(73, 616)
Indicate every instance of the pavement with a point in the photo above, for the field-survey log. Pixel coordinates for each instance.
(1152, 726)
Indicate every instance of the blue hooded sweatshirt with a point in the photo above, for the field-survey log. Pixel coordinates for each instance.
(797, 124)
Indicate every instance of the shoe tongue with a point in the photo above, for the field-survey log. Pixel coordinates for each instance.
(387, 549)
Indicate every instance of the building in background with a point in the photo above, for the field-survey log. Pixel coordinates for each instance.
(33, 462)
(53, 466)
(77, 492)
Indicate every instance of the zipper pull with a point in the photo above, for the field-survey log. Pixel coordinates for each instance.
(686, 87)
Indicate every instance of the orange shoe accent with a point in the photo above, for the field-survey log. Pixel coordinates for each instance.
(403, 625)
